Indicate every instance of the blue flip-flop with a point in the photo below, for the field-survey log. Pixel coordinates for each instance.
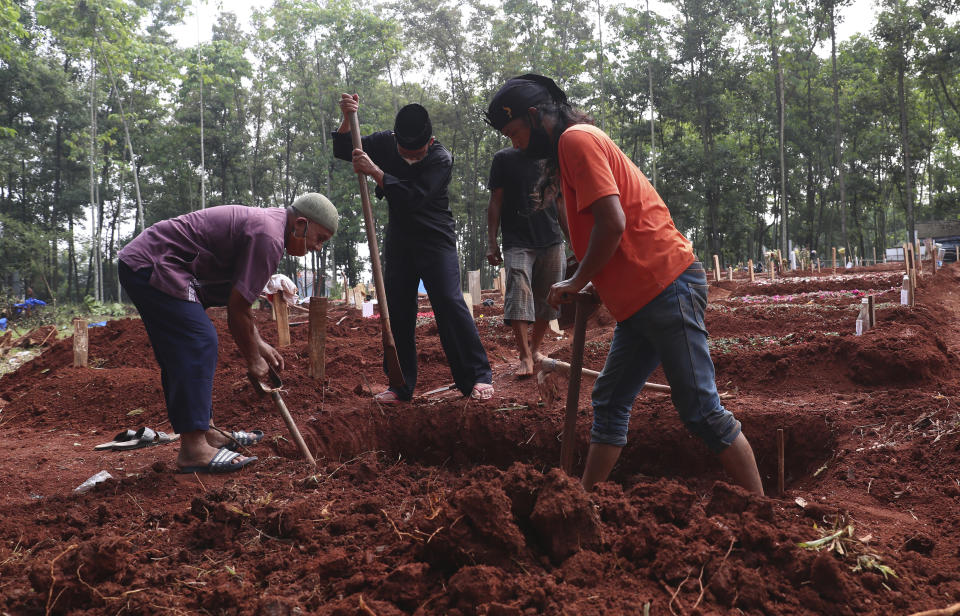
(222, 462)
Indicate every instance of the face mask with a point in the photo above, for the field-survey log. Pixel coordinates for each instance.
(297, 245)
(539, 145)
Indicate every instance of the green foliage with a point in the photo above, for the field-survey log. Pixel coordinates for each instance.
(270, 87)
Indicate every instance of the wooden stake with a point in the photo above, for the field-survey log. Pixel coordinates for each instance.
(917, 262)
(473, 284)
(750, 267)
(716, 268)
(283, 319)
(729, 272)
(502, 275)
(573, 386)
(81, 343)
(780, 461)
(318, 338)
(468, 300)
(872, 310)
(773, 273)
(834, 260)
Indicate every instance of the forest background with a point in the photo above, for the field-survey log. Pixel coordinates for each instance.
(766, 131)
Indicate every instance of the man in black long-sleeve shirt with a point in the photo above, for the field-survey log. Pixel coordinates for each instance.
(412, 170)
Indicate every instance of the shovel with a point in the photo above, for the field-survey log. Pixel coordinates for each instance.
(274, 391)
(394, 372)
(584, 302)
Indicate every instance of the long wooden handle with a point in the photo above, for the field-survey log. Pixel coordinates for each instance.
(292, 427)
(573, 387)
(551, 364)
(390, 347)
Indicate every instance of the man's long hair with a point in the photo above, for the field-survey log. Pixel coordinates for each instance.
(548, 186)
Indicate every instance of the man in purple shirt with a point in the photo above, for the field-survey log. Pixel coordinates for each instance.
(220, 256)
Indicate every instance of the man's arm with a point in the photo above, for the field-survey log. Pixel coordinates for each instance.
(409, 195)
(609, 224)
(254, 350)
(494, 257)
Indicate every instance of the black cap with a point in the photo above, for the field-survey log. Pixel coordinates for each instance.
(412, 128)
(520, 93)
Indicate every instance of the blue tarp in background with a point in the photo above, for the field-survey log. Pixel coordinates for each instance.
(29, 303)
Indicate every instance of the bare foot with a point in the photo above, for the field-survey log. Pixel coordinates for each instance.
(525, 368)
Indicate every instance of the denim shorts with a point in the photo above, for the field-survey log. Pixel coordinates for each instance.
(668, 330)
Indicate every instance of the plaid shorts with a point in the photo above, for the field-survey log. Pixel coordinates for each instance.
(530, 274)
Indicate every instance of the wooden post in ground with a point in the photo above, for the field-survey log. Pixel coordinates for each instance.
(473, 284)
(81, 343)
(750, 267)
(729, 272)
(872, 310)
(834, 260)
(716, 268)
(283, 319)
(780, 462)
(318, 338)
(912, 263)
(502, 276)
(468, 300)
(773, 273)
(917, 261)
(934, 251)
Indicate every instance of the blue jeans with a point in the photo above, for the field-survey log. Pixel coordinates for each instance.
(668, 330)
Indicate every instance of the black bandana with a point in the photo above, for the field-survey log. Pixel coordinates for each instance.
(520, 93)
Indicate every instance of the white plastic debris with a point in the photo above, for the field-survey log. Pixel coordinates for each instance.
(92, 481)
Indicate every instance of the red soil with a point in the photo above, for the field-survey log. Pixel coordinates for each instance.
(450, 506)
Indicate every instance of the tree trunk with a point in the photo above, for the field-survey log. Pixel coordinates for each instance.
(837, 145)
(126, 136)
(95, 264)
(905, 140)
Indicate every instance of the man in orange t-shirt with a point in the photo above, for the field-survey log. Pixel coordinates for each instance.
(642, 267)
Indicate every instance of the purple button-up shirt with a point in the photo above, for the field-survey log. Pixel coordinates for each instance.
(202, 255)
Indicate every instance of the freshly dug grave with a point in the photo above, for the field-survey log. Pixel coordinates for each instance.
(450, 506)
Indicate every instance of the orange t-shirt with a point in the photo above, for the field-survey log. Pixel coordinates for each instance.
(652, 252)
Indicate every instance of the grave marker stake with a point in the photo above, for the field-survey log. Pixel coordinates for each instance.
(283, 319)
(81, 343)
(750, 267)
(473, 284)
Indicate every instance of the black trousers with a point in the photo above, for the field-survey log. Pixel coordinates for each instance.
(185, 344)
(435, 262)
